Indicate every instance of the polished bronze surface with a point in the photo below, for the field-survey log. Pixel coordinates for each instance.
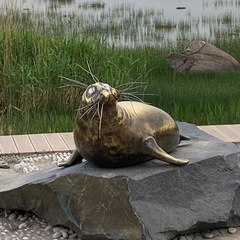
(114, 134)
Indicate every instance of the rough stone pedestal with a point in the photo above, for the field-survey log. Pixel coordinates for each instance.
(154, 200)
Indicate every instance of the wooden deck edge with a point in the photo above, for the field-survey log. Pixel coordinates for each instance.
(63, 142)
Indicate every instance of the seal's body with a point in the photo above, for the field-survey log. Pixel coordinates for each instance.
(119, 134)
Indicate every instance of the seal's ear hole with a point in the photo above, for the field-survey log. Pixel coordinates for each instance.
(91, 91)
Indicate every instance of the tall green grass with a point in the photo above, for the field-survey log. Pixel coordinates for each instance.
(34, 55)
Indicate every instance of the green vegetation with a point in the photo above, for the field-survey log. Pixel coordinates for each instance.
(164, 25)
(95, 5)
(34, 54)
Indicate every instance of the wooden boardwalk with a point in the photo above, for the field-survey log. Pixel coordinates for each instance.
(63, 142)
(36, 143)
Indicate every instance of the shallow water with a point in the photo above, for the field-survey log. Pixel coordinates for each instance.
(140, 22)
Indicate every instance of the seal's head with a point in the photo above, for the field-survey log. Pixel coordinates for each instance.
(99, 93)
(98, 102)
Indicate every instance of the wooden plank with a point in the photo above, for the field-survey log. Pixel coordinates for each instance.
(236, 129)
(40, 143)
(68, 139)
(56, 142)
(215, 132)
(7, 145)
(23, 144)
(228, 131)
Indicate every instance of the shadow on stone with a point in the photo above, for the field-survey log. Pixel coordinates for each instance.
(153, 200)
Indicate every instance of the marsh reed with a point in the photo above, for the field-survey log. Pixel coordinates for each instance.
(35, 54)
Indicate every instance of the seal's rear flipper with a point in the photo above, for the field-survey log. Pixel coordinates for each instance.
(182, 137)
(151, 148)
(74, 158)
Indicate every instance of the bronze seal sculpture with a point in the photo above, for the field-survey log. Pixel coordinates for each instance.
(115, 134)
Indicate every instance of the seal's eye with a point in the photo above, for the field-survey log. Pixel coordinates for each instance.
(91, 90)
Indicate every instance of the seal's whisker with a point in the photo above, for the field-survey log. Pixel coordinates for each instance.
(88, 111)
(100, 121)
(136, 88)
(131, 96)
(127, 99)
(100, 114)
(122, 97)
(134, 93)
(94, 114)
(145, 94)
(92, 75)
(71, 85)
(130, 85)
(88, 105)
(96, 111)
(133, 82)
(95, 79)
(124, 84)
(133, 108)
(80, 84)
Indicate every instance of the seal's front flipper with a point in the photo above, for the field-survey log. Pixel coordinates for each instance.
(74, 158)
(151, 148)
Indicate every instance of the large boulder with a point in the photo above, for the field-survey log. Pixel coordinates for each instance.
(202, 57)
(153, 200)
